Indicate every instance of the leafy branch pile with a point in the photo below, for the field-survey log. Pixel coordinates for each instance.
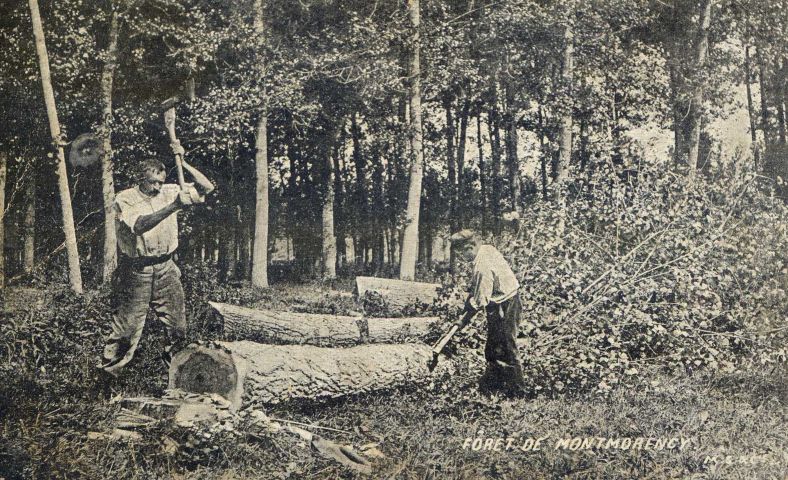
(651, 271)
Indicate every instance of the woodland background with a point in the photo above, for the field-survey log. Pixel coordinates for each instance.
(360, 134)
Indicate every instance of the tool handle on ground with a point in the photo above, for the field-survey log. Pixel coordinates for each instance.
(444, 340)
(169, 123)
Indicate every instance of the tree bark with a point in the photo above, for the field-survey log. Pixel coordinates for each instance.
(110, 258)
(360, 196)
(29, 256)
(544, 153)
(566, 122)
(329, 239)
(678, 116)
(379, 205)
(463, 140)
(512, 162)
(452, 167)
(252, 374)
(74, 274)
(495, 170)
(482, 173)
(697, 99)
(410, 239)
(260, 244)
(292, 328)
(339, 204)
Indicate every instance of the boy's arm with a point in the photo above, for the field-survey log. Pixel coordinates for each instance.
(467, 314)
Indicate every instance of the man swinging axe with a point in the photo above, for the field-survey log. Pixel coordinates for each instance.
(147, 231)
(494, 288)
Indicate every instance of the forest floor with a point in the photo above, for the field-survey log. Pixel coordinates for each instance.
(724, 425)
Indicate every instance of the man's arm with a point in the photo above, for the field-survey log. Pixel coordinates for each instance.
(147, 222)
(201, 180)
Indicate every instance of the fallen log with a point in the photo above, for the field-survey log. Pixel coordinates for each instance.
(257, 374)
(293, 328)
(397, 295)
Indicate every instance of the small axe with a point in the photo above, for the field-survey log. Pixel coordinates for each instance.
(441, 344)
(169, 122)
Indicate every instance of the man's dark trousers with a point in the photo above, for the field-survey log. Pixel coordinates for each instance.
(504, 370)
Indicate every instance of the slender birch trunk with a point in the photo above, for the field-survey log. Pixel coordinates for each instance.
(110, 258)
(260, 244)
(74, 274)
(410, 239)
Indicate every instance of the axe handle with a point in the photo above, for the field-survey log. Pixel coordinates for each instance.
(444, 340)
(169, 122)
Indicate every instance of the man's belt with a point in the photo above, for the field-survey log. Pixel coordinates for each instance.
(142, 262)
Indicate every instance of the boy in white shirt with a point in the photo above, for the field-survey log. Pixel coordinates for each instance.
(494, 287)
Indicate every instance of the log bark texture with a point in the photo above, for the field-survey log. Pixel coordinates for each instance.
(397, 294)
(271, 374)
(292, 328)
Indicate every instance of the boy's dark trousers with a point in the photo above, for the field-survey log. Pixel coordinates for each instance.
(504, 370)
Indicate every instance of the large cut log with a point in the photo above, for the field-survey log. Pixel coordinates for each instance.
(250, 373)
(271, 326)
(397, 295)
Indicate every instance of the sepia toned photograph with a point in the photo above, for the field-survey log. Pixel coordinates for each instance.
(404, 239)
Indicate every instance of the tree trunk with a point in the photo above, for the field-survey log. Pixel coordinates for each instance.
(339, 203)
(242, 234)
(379, 222)
(495, 171)
(260, 245)
(544, 152)
(482, 173)
(697, 98)
(678, 116)
(452, 167)
(329, 240)
(512, 162)
(252, 374)
(74, 274)
(750, 106)
(291, 328)
(29, 256)
(3, 171)
(461, 162)
(360, 195)
(110, 258)
(410, 240)
(765, 121)
(566, 122)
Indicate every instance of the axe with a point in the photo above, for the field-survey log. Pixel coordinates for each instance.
(439, 346)
(169, 122)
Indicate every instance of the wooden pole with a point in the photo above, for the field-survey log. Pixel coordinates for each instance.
(74, 274)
